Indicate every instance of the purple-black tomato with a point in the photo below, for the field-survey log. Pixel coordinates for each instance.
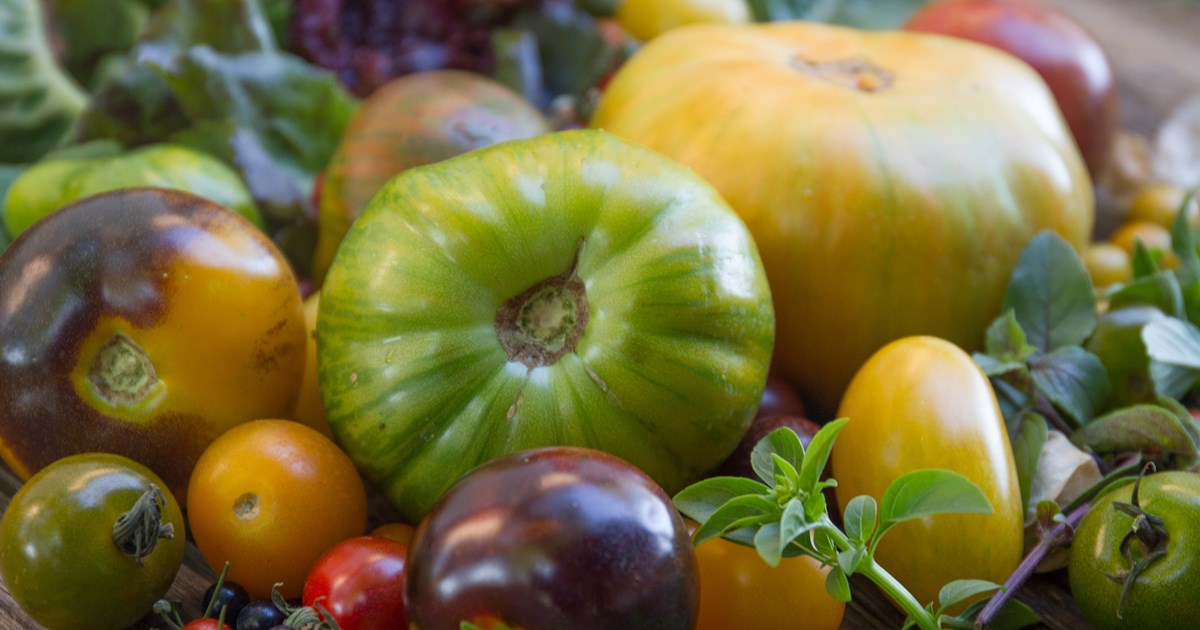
(558, 537)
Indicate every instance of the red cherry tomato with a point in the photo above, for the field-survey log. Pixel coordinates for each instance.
(360, 582)
(206, 624)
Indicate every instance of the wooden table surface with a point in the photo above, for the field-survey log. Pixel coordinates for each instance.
(1155, 48)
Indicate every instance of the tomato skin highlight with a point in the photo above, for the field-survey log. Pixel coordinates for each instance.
(269, 497)
(921, 402)
(57, 554)
(1167, 593)
(360, 582)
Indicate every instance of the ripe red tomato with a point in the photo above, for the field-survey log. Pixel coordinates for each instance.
(1072, 63)
(360, 582)
(206, 624)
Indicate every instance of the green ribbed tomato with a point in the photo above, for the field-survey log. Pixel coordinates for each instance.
(570, 289)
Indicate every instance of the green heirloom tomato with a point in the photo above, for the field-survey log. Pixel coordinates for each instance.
(69, 543)
(571, 289)
(1158, 526)
(57, 181)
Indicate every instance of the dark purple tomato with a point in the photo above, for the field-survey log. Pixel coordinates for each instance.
(557, 537)
(779, 398)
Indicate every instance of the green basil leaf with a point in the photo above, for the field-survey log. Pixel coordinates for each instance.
(785, 470)
(1137, 428)
(1173, 346)
(1073, 379)
(1014, 615)
(782, 442)
(1048, 513)
(1027, 446)
(1161, 290)
(928, 492)
(1147, 261)
(850, 560)
(794, 522)
(1006, 341)
(859, 519)
(992, 366)
(39, 100)
(824, 544)
(814, 506)
(767, 543)
(1183, 243)
(819, 449)
(702, 499)
(1051, 294)
(1014, 397)
(735, 514)
(962, 590)
(874, 14)
(837, 585)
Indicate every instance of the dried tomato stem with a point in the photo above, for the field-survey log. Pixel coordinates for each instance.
(137, 531)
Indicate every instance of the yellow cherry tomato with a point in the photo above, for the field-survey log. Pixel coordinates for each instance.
(921, 402)
(1159, 203)
(270, 497)
(1107, 264)
(645, 19)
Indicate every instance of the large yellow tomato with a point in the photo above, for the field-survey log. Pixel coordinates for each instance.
(921, 402)
(890, 180)
(646, 19)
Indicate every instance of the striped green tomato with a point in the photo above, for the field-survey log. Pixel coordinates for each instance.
(570, 289)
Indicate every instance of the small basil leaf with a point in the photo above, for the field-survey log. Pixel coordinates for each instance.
(850, 560)
(962, 590)
(1183, 243)
(860, 518)
(814, 506)
(1173, 346)
(782, 467)
(992, 366)
(1137, 428)
(1147, 261)
(1073, 379)
(1051, 294)
(739, 512)
(818, 454)
(929, 492)
(782, 442)
(1027, 450)
(794, 522)
(1161, 290)
(837, 585)
(1006, 341)
(766, 541)
(700, 500)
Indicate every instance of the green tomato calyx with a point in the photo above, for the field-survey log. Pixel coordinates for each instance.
(121, 373)
(1144, 543)
(138, 531)
(543, 323)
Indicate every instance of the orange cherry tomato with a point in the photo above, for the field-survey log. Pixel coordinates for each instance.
(1159, 203)
(1152, 235)
(739, 590)
(270, 497)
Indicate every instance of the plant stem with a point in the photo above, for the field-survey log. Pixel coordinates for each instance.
(888, 584)
(1058, 535)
